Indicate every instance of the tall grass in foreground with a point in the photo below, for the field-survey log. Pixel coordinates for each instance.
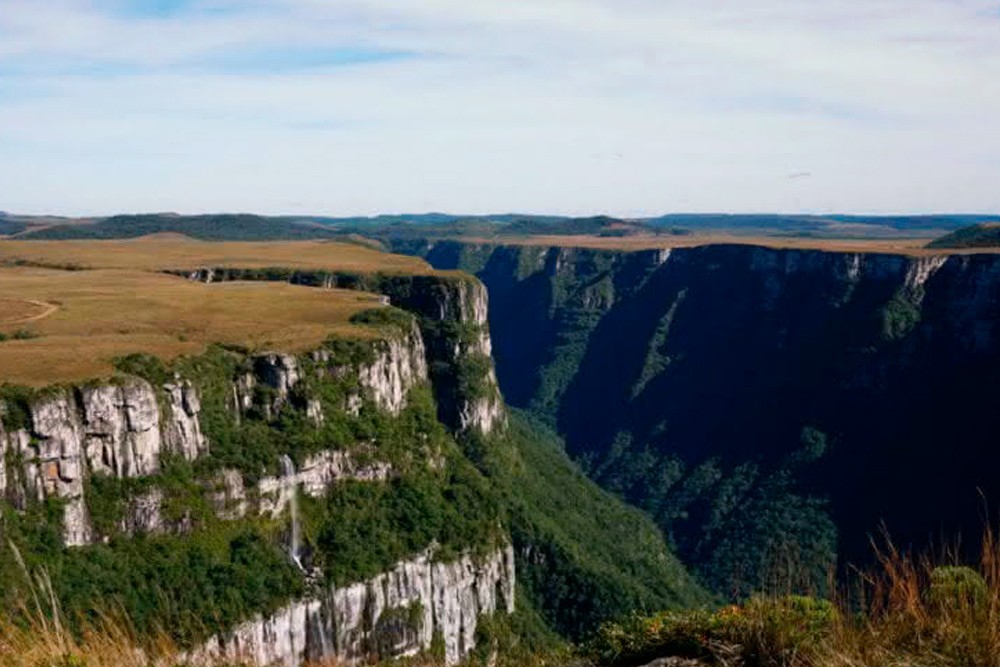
(37, 634)
(908, 612)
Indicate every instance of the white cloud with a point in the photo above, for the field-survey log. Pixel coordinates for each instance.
(579, 106)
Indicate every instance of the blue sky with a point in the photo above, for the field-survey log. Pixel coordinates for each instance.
(629, 107)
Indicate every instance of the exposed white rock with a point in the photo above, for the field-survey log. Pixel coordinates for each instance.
(484, 413)
(279, 371)
(143, 515)
(314, 411)
(243, 388)
(394, 614)
(316, 475)
(183, 432)
(400, 364)
(920, 271)
(59, 456)
(229, 498)
(121, 425)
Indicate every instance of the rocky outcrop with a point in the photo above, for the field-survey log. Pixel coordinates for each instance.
(395, 614)
(183, 434)
(281, 373)
(144, 515)
(121, 428)
(455, 326)
(54, 462)
(315, 476)
(110, 429)
(399, 365)
(453, 314)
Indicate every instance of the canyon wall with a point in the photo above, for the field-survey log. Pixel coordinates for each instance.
(809, 388)
(129, 445)
(399, 613)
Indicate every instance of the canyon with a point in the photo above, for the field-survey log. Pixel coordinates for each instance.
(801, 399)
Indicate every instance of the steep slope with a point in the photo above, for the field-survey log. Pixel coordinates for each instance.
(731, 390)
(172, 486)
(365, 497)
(584, 556)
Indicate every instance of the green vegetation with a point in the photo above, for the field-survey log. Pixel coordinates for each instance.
(763, 632)
(900, 316)
(190, 585)
(983, 235)
(906, 612)
(226, 227)
(583, 556)
(20, 334)
(214, 573)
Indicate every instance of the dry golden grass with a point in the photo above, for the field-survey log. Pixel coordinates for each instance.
(103, 314)
(19, 311)
(173, 251)
(913, 247)
(914, 617)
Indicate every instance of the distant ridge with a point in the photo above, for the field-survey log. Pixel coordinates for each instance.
(223, 227)
(983, 235)
(243, 226)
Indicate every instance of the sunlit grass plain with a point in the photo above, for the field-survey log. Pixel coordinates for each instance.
(173, 251)
(66, 326)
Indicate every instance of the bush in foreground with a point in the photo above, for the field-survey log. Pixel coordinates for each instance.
(909, 612)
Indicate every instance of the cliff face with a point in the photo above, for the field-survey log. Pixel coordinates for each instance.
(114, 430)
(122, 430)
(453, 318)
(700, 381)
(126, 449)
(398, 613)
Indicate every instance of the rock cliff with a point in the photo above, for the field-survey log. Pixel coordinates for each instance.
(123, 429)
(111, 429)
(453, 316)
(398, 613)
(689, 375)
(270, 432)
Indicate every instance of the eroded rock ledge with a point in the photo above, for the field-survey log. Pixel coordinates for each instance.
(399, 613)
(452, 313)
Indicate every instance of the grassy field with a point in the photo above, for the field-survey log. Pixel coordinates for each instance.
(914, 247)
(20, 311)
(67, 326)
(172, 251)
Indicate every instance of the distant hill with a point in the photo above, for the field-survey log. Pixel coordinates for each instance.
(827, 226)
(232, 227)
(985, 235)
(10, 226)
(223, 227)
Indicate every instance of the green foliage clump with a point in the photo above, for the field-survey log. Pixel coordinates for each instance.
(361, 529)
(190, 586)
(385, 318)
(20, 334)
(15, 407)
(146, 366)
(899, 317)
(955, 586)
(763, 632)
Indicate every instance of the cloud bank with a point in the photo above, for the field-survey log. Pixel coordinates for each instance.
(561, 106)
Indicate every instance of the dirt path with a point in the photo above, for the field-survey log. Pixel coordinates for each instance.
(47, 309)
